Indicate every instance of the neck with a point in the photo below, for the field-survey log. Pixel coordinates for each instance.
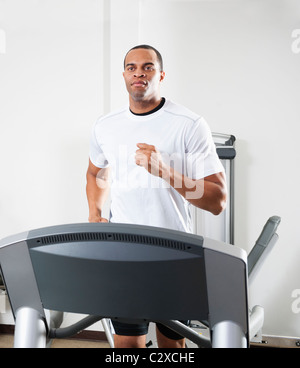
(143, 106)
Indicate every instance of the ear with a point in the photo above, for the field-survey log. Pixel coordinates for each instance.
(162, 76)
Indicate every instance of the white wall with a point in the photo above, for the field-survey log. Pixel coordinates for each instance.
(50, 95)
(230, 60)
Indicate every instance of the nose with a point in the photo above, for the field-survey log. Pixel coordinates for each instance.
(140, 74)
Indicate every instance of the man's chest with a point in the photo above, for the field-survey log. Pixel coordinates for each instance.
(119, 139)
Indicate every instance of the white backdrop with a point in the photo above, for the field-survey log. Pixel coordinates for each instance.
(50, 93)
(234, 61)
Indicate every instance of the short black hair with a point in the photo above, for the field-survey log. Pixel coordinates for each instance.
(148, 47)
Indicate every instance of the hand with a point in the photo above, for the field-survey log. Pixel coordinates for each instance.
(149, 157)
(97, 218)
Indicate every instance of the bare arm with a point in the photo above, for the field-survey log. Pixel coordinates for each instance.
(97, 189)
(209, 194)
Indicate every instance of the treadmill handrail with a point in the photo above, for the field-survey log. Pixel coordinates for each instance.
(263, 242)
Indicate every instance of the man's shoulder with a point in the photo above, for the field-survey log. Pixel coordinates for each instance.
(180, 110)
(112, 115)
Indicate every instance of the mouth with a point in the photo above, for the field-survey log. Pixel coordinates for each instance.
(139, 84)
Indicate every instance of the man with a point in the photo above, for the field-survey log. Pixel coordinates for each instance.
(162, 159)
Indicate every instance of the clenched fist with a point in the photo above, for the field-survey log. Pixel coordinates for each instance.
(149, 157)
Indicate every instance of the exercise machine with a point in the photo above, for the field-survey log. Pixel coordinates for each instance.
(220, 227)
(256, 258)
(97, 269)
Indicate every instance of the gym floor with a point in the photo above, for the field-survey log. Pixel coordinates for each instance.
(6, 342)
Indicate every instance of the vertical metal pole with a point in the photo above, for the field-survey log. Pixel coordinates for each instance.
(30, 329)
(231, 220)
(105, 324)
(230, 335)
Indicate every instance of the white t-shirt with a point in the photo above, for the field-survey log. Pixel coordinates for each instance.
(185, 143)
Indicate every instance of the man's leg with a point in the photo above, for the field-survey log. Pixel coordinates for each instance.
(129, 341)
(167, 338)
(164, 342)
(130, 335)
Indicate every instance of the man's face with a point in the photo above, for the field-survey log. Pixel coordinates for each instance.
(142, 74)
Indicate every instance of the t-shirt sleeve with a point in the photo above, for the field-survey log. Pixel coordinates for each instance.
(96, 153)
(201, 155)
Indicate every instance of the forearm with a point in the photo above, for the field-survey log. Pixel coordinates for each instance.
(208, 194)
(97, 190)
